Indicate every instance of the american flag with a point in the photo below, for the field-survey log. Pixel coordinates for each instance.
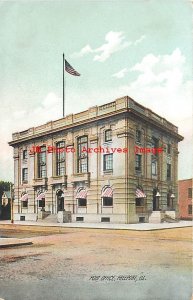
(70, 69)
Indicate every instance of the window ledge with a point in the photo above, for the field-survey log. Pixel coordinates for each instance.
(107, 142)
(138, 173)
(108, 171)
(24, 181)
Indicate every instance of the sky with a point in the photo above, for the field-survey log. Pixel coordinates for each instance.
(139, 48)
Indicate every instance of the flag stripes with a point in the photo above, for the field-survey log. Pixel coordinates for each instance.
(70, 69)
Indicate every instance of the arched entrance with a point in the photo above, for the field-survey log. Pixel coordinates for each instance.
(170, 200)
(156, 198)
(60, 200)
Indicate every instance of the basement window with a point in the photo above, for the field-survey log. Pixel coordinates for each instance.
(141, 219)
(105, 219)
(79, 219)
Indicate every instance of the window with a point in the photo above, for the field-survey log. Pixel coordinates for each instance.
(189, 192)
(82, 156)
(42, 203)
(168, 171)
(25, 204)
(42, 162)
(190, 209)
(154, 167)
(105, 219)
(107, 201)
(141, 219)
(82, 202)
(155, 144)
(168, 149)
(138, 163)
(24, 174)
(79, 219)
(60, 159)
(108, 162)
(139, 201)
(108, 135)
(138, 136)
(24, 154)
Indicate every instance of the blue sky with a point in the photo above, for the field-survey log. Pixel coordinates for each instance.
(140, 48)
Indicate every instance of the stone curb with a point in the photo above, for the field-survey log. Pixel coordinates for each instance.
(86, 226)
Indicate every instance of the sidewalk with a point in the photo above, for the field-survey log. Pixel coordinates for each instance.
(140, 226)
(13, 242)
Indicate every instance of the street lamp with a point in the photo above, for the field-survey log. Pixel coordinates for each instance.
(172, 198)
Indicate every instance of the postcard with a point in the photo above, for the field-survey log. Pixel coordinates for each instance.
(96, 150)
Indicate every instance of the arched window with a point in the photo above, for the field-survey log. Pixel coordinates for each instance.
(81, 196)
(139, 197)
(107, 196)
(24, 199)
(41, 199)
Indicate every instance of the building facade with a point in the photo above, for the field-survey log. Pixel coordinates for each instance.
(98, 166)
(185, 198)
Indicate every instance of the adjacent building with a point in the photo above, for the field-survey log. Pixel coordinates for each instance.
(185, 198)
(98, 166)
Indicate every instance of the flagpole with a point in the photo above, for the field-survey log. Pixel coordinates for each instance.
(63, 86)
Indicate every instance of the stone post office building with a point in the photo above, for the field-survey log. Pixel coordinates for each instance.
(119, 182)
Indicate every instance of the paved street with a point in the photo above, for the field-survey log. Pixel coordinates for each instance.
(97, 264)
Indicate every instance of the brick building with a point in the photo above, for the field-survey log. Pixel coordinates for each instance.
(128, 185)
(185, 198)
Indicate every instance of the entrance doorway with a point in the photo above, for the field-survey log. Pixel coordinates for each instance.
(60, 200)
(155, 200)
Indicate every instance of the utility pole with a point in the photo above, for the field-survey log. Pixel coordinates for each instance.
(11, 196)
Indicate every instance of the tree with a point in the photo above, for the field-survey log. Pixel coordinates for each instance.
(4, 211)
(4, 186)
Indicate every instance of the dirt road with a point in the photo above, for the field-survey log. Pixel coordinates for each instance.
(98, 264)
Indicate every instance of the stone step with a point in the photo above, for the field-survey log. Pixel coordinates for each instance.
(168, 219)
(52, 218)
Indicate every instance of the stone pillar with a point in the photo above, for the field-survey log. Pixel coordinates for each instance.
(17, 173)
